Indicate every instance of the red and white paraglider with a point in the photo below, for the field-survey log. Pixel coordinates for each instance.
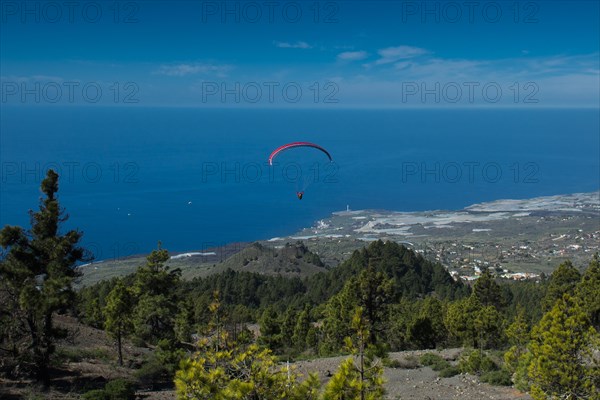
(293, 145)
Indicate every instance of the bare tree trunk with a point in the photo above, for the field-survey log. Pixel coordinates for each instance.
(39, 355)
(120, 351)
(362, 369)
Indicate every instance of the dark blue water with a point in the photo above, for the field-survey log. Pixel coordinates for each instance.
(195, 178)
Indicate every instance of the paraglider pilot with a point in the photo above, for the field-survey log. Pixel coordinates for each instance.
(294, 145)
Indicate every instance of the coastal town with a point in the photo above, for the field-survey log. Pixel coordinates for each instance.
(550, 230)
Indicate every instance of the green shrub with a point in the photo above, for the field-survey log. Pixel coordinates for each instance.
(64, 354)
(477, 363)
(33, 396)
(138, 342)
(498, 378)
(169, 355)
(408, 362)
(67, 354)
(97, 394)
(412, 358)
(428, 359)
(392, 363)
(449, 372)
(440, 365)
(151, 373)
(98, 354)
(120, 389)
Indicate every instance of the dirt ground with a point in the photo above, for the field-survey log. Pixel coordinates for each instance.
(422, 383)
(406, 384)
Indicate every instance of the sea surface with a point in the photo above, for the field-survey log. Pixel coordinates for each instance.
(196, 178)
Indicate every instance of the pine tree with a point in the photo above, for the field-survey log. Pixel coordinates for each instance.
(153, 318)
(184, 323)
(562, 281)
(375, 295)
(488, 325)
(287, 327)
(93, 314)
(487, 291)
(155, 278)
(427, 330)
(37, 270)
(270, 329)
(518, 337)
(460, 320)
(303, 325)
(307, 390)
(239, 316)
(156, 298)
(588, 291)
(561, 348)
(401, 323)
(359, 379)
(344, 383)
(223, 369)
(518, 331)
(119, 306)
(371, 291)
(337, 316)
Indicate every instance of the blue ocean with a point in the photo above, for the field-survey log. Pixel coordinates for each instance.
(197, 178)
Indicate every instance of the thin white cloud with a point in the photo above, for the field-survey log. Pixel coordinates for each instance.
(297, 45)
(557, 80)
(392, 54)
(440, 68)
(352, 55)
(193, 69)
(521, 68)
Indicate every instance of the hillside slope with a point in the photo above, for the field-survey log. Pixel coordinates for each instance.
(289, 260)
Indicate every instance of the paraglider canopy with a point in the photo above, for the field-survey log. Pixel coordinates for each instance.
(302, 181)
(280, 149)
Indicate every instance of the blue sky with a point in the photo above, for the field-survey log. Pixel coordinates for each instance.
(375, 54)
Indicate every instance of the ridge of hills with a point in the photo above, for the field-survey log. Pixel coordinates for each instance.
(288, 260)
(412, 276)
(293, 259)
